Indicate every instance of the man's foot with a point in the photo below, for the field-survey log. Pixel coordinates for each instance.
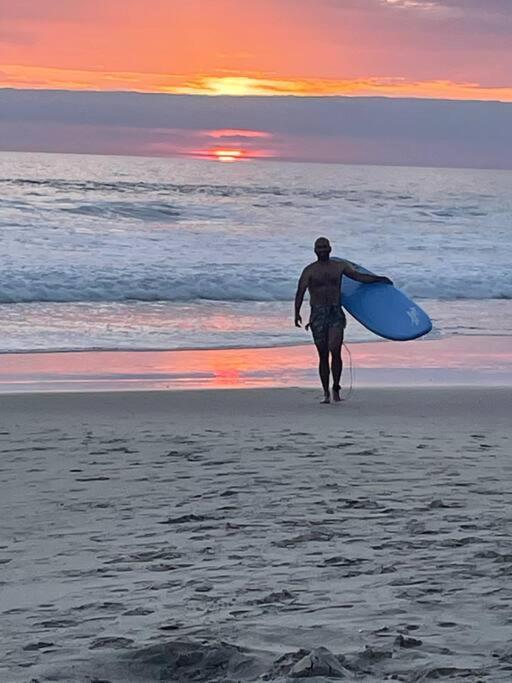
(327, 397)
(336, 397)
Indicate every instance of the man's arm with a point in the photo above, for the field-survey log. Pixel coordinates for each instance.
(352, 273)
(299, 296)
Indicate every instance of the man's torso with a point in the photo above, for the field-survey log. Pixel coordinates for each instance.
(324, 282)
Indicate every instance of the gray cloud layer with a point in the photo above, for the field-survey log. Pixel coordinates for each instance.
(379, 130)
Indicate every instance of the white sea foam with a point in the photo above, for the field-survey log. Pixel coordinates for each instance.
(159, 283)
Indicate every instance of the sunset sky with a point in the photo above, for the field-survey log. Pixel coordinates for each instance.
(317, 49)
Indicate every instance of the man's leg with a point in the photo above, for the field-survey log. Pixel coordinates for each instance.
(335, 345)
(323, 369)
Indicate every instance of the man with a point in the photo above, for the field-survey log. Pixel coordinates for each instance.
(323, 281)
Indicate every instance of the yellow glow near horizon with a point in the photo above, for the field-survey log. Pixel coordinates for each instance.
(17, 76)
(227, 154)
(240, 86)
(231, 85)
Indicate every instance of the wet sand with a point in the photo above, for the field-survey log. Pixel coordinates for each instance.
(446, 361)
(230, 535)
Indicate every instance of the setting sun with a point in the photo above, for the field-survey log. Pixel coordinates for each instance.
(231, 154)
(228, 154)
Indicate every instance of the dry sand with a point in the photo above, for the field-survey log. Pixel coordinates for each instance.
(231, 535)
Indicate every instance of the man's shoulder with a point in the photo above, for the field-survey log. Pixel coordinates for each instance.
(342, 263)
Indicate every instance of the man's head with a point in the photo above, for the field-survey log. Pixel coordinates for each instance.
(322, 248)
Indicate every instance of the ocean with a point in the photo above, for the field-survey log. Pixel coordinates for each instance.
(134, 253)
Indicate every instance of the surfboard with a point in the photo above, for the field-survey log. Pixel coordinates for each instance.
(383, 309)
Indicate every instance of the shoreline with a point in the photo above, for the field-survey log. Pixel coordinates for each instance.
(446, 361)
(159, 349)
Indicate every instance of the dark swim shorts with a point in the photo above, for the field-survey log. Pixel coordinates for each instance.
(322, 319)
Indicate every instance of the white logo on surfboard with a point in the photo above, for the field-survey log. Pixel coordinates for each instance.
(413, 315)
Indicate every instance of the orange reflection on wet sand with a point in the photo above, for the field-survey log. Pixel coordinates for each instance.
(383, 362)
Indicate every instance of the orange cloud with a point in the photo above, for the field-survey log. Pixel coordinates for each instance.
(389, 87)
(433, 48)
(19, 76)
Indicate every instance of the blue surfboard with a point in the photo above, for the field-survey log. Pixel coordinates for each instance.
(383, 309)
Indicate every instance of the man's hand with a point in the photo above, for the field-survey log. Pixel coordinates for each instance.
(298, 320)
(367, 278)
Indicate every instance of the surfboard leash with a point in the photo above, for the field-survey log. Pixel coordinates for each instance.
(351, 373)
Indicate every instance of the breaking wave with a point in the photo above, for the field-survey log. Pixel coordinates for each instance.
(159, 283)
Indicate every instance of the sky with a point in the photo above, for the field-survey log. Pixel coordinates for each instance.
(258, 63)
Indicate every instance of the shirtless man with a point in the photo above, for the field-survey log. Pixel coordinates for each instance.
(323, 281)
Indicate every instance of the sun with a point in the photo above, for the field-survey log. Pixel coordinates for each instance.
(227, 155)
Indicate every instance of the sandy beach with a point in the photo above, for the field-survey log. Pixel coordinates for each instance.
(239, 535)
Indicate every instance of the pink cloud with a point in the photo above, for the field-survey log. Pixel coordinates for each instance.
(236, 133)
